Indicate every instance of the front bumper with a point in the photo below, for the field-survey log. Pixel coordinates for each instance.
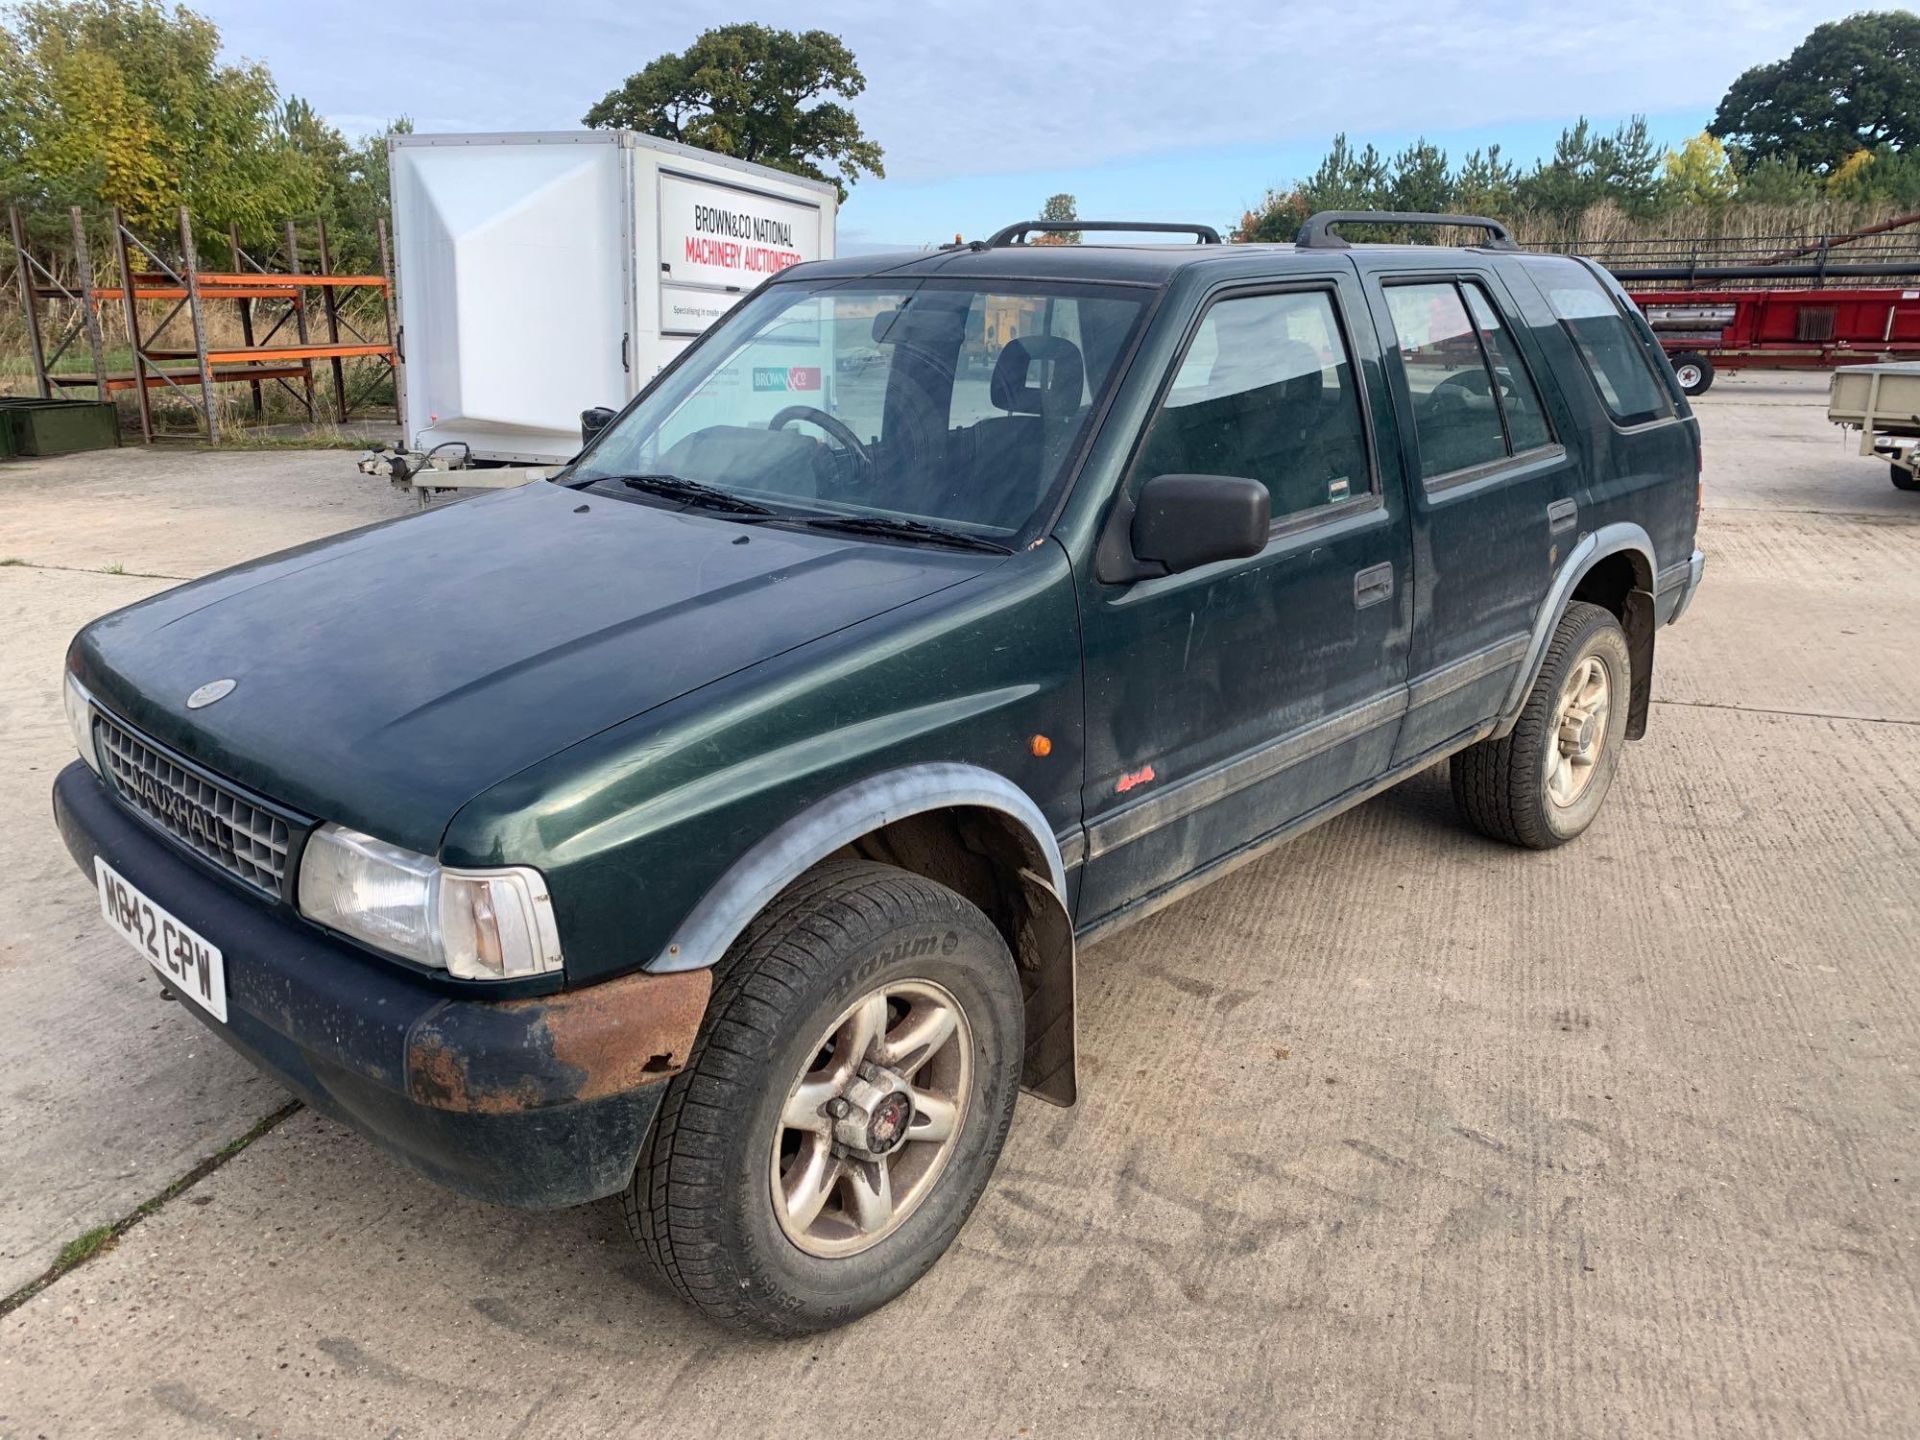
(535, 1102)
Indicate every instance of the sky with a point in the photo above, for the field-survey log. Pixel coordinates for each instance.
(1141, 110)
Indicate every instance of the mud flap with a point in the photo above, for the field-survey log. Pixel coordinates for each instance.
(1640, 626)
(1045, 956)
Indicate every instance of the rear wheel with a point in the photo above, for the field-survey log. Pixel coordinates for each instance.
(1694, 372)
(1903, 478)
(1543, 782)
(843, 1107)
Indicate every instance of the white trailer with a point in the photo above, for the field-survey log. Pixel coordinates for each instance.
(539, 275)
(1882, 402)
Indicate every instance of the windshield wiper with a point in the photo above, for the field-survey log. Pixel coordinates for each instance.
(711, 497)
(903, 530)
(674, 487)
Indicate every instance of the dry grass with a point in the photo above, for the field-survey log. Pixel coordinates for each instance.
(1728, 235)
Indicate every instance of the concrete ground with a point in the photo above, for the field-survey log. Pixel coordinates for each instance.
(1394, 1132)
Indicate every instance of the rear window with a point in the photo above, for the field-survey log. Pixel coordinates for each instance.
(1614, 356)
(1474, 403)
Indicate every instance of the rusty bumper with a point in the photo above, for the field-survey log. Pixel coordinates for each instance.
(536, 1102)
(498, 1058)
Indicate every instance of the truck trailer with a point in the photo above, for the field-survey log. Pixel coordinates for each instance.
(539, 275)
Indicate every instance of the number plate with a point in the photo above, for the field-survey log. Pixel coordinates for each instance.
(187, 962)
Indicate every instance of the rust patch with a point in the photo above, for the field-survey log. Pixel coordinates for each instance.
(435, 1075)
(516, 1055)
(630, 1031)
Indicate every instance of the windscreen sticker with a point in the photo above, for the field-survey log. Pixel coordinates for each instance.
(786, 377)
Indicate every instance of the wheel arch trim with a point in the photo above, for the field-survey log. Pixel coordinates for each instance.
(1620, 537)
(807, 838)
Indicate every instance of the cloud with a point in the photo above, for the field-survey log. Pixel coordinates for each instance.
(980, 87)
(1009, 86)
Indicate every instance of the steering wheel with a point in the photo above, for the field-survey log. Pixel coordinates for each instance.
(838, 429)
(1475, 382)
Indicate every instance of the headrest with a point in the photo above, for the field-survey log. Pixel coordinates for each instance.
(1062, 376)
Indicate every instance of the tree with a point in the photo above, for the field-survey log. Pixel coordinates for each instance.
(1486, 184)
(1631, 163)
(1698, 173)
(1851, 85)
(1588, 167)
(1274, 221)
(755, 93)
(1773, 181)
(1418, 179)
(125, 102)
(1059, 207)
(351, 181)
(1879, 175)
(1347, 179)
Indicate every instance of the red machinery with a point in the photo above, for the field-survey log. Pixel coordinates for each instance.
(1705, 330)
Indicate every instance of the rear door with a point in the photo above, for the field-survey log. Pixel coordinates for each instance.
(514, 288)
(1492, 490)
(1228, 701)
(1642, 440)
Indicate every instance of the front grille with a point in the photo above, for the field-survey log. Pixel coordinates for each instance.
(239, 835)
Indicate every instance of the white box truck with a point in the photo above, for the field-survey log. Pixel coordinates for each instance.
(539, 275)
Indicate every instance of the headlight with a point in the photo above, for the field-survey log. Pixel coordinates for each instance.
(476, 924)
(80, 721)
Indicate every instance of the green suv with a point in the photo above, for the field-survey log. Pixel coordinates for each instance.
(713, 824)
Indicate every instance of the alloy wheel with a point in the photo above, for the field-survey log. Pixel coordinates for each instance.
(867, 1128)
(1579, 731)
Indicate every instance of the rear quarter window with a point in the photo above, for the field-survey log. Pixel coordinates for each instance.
(1621, 369)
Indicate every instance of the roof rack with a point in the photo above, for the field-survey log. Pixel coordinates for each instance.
(1318, 232)
(1017, 234)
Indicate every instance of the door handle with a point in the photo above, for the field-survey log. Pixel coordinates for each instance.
(1372, 585)
(1562, 515)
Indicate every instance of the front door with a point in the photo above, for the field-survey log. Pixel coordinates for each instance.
(1228, 701)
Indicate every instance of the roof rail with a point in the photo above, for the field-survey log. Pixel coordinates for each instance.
(1317, 233)
(1017, 234)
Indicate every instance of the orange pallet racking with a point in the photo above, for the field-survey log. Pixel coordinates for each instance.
(190, 291)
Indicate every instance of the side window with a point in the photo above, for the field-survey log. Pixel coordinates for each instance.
(1267, 392)
(1455, 415)
(1519, 400)
(1620, 367)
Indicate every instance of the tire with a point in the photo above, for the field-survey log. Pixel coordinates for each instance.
(1694, 372)
(707, 1200)
(1904, 479)
(1505, 787)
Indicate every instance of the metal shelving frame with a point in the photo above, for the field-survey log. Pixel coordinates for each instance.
(194, 373)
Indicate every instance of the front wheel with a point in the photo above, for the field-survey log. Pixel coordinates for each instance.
(843, 1108)
(1542, 783)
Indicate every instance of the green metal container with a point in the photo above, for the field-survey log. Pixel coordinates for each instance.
(56, 427)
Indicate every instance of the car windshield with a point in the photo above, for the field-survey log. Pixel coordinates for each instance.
(953, 406)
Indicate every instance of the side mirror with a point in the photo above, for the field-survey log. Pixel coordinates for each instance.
(1186, 521)
(593, 421)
